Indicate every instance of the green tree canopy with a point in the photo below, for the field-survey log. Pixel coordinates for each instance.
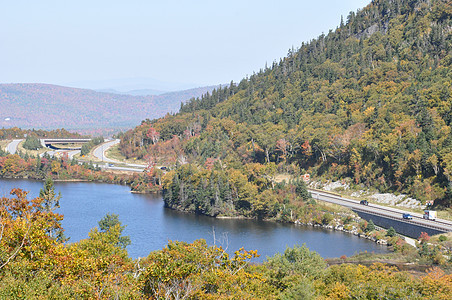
(111, 221)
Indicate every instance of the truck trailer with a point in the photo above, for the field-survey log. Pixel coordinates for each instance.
(429, 214)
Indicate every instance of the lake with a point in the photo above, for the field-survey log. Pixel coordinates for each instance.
(150, 225)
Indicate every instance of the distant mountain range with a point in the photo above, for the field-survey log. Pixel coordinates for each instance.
(45, 106)
(140, 92)
(134, 85)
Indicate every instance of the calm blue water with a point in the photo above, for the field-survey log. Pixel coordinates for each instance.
(150, 225)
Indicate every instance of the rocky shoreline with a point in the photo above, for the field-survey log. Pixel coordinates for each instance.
(340, 227)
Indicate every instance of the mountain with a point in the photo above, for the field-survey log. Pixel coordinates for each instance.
(145, 92)
(47, 106)
(124, 85)
(370, 101)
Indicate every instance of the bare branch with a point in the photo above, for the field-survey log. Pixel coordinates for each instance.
(18, 248)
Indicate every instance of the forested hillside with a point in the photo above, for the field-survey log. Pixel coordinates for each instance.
(50, 106)
(370, 100)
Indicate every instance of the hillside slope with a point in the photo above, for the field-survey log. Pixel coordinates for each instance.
(47, 106)
(371, 100)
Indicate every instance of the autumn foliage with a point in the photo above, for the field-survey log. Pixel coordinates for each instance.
(369, 101)
(35, 264)
(24, 166)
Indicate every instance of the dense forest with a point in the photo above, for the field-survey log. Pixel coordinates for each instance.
(370, 101)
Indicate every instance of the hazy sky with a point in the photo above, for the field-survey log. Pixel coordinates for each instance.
(197, 42)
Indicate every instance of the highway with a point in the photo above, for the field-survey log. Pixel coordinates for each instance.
(12, 147)
(124, 168)
(99, 153)
(387, 212)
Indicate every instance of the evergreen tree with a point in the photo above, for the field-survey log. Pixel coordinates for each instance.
(85, 150)
(110, 221)
(50, 203)
(32, 143)
(301, 190)
(51, 199)
(370, 226)
(391, 232)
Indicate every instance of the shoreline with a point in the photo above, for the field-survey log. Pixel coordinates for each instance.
(71, 180)
(337, 227)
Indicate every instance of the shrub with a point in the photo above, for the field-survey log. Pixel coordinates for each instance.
(424, 237)
(327, 218)
(391, 232)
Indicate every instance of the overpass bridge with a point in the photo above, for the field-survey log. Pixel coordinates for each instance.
(48, 142)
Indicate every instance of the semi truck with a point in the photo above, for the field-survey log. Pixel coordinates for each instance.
(429, 214)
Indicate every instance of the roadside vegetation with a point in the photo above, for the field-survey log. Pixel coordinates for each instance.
(32, 143)
(34, 151)
(115, 154)
(4, 144)
(18, 133)
(86, 148)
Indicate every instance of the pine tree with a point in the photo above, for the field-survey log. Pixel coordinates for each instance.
(51, 200)
(370, 226)
(391, 232)
(301, 190)
(110, 221)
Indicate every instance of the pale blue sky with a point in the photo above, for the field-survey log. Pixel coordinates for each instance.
(198, 42)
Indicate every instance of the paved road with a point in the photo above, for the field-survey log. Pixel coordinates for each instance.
(12, 147)
(51, 152)
(388, 212)
(125, 169)
(99, 151)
